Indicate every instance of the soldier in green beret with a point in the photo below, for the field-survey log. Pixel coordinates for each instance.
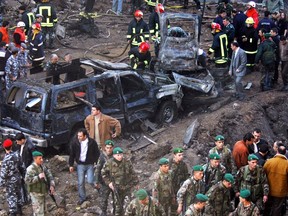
(225, 154)
(118, 174)
(144, 205)
(192, 186)
(213, 171)
(245, 207)
(253, 178)
(179, 171)
(196, 208)
(162, 188)
(219, 200)
(104, 189)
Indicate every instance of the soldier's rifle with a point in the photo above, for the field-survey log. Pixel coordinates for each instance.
(48, 186)
(115, 191)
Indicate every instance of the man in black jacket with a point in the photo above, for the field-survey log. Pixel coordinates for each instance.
(85, 152)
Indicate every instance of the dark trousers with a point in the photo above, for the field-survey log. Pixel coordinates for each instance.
(284, 72)
(274, 206)
(267, 77)
(276, 72)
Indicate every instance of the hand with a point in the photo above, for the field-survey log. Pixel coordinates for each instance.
(265, 198)
(41, 175)
(179, 209)
(52, 190)
(114, 135)
(111, 186)
(97, 186)
(244, 39)
(237, 194)
(71, 169)
(230, 73)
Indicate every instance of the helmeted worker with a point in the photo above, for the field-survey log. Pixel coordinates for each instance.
(4, 34)
(19, 34)
(138, 30)
(252, 12)
(26, 17)
(219, 45)
(151, 4)
(140, 56)
(47, 10)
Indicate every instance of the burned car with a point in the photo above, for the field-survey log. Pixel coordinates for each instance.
(51, 114)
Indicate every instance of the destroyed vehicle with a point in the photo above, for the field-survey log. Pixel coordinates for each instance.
(51, 114)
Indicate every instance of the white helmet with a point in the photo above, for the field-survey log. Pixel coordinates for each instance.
(252, 4)
(20, 24)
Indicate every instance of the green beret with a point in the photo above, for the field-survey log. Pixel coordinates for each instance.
(219, 137)
(117, 150)
(214, 156)
(267, 35)
(197, 168)
(252, 157)
(109, 142)
(201, 197)
(36, 153)
(163, 161)
(141, 194)
(177, 150)
(245, 193)
(228, 177)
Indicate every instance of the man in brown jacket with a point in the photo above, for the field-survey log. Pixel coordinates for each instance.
(101, 127)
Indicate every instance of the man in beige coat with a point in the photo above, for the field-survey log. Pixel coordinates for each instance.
(101, 127)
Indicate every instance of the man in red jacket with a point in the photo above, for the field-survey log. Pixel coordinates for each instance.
(252, 12)
(19, 34)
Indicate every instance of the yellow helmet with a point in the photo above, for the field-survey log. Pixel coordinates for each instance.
(249, 20)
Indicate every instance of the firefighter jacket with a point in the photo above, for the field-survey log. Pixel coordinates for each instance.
(252, 12)
(28, 19)
(36, 49)
(4, 35)
(48, 12)
(219, 47)
(154, 26)
(19, 37)
(139, 60)
(138, 29)
(152, 3)
(249, 40)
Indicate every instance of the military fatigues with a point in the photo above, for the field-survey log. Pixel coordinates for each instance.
(219, 203)
(105, 190)
(23, 61)
(12, 70)
(140, 29)
(37, 187)
(212, 175)
(163, 189)
(255, 181)
(191, 211)
(12, 170)
(124, 178)
(251, 210)
(135, 208)
(187, 192)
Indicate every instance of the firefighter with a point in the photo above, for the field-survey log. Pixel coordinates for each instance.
(252, 12)
(26, 17)
(249, 38)
(47, 10)
(138, 30)
(140, 56)
(151, 4)
(219, 45)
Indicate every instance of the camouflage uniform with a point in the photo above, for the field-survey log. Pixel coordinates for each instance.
(212, 175)
(135, 208)
(255, 181)
(251, 210)
(23, 61)
(219, 203)
(191, 211)
(124, 178)
(187, 193)
(105, 190)
(163, 189)
(226, 159)
(12, 170)
(37, 187)
(12, 69)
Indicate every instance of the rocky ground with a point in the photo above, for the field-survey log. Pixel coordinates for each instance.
(223, 115)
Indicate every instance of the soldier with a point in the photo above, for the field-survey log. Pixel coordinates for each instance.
(225, 154)
(163, 189)
(12, 68)
(23, 60)
(12, 171)
(196, 208)
(119, 175)
(213, 171)
(38, 178)
(219, 200)
(105, 190)
(245, 207)
(144, 205)
(253, 178)
(192, 186)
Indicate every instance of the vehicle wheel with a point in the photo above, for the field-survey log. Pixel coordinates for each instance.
(167, 112)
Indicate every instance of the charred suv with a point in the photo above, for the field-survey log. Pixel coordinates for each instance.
(50, 114)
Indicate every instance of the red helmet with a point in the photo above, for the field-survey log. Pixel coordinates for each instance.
(159, 8)
(144, 46)
(138, 13)
(36, 26)
(216, 26)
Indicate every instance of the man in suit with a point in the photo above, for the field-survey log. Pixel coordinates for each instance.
(238, 68)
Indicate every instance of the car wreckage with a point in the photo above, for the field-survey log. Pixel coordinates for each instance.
(51, 114)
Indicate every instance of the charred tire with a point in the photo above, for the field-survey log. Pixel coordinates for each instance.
(167, 112)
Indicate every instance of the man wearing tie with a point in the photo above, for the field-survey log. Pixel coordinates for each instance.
(238, 68)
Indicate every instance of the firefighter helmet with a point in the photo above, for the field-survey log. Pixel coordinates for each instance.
(20, 24)
(216, 26)
(159, 8)
(252, 4)
(138, 13)
(36, 26)
(249, 20)
(144, 46)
